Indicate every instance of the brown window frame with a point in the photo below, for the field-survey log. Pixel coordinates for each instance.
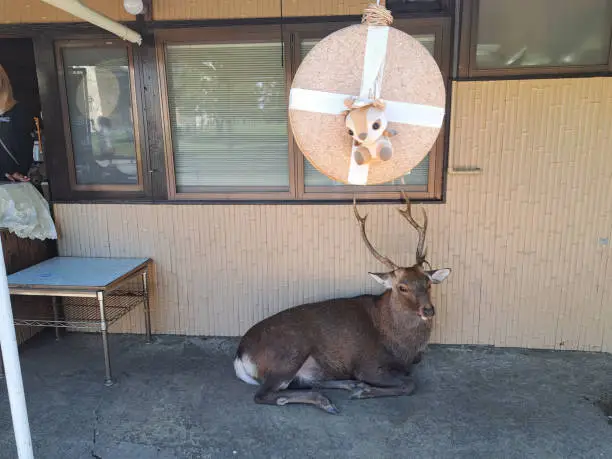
(292, 34)
(224, 34)
(467, 54)
(59, 45)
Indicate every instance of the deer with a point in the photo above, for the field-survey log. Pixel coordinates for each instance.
(366, 344)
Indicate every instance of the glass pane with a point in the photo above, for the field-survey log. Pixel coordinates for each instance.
(100, 112)
(524, 33)
(417, 176)
(228, 116)
(391, 4)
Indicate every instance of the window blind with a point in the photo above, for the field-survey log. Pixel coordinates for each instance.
(417, 176)
(228, 116)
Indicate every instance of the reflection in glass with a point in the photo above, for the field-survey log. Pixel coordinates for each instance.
(228, 116)
(417, 176)
(100, 114)
(524, 33)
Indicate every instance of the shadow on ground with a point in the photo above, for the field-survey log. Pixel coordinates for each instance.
(179, 398)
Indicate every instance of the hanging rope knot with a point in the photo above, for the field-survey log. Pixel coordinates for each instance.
(376, 15)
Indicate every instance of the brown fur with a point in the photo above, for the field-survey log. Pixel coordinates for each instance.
(342, 335)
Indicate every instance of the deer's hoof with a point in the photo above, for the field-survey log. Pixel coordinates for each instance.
(282, 401)
(331, 409)
(326, 405)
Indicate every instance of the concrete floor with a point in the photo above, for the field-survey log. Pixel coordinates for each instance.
(179, 398)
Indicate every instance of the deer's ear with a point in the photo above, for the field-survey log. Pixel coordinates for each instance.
(385, 279)
(439, 275)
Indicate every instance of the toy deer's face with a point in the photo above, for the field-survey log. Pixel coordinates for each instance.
(366, 124)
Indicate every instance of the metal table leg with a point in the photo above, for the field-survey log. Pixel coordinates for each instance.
(55, 301)
(108, 381)
(147, 311)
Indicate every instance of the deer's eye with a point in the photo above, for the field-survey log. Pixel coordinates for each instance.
(376, 126)
(351, 132)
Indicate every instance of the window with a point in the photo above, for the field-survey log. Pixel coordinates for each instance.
(520, 37)
(419, 6)
(228, 116)
(227, 126)
(98, 102)
(227, 135)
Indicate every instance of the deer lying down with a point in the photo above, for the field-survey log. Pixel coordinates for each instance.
(366, 344)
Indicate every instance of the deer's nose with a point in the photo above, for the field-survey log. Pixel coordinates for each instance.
(429, 311)
(363, 136)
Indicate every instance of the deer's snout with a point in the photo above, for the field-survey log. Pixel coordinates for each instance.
(363, 136)
(429, 311)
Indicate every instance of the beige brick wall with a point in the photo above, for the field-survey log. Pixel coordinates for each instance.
(522, 238)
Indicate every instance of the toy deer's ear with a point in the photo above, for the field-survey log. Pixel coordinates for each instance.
(348, 102)
(390, 132)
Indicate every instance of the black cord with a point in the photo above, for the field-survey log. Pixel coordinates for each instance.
(282, 35)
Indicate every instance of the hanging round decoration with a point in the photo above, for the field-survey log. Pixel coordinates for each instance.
(367, 102)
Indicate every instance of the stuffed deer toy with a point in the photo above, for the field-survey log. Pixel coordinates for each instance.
(367, 125)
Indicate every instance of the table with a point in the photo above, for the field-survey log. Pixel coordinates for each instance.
(95, 293)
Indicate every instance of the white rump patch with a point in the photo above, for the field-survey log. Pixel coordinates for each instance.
(246, 370)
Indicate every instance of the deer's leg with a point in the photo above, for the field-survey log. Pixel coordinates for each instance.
(341, 384)
(380, 383)
(271, 393)
(362, 155)
(383, 149)
(407, 388)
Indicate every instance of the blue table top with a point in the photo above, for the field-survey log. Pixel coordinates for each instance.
(75, 272)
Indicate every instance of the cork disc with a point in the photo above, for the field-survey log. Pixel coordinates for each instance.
(335, 65)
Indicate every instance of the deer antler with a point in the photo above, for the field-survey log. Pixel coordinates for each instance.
(387, 262)
(422, 230)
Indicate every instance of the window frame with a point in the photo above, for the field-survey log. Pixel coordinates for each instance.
(291, 35)
(417, 6)
(136, 113)
(467, 68)
(209, 35)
